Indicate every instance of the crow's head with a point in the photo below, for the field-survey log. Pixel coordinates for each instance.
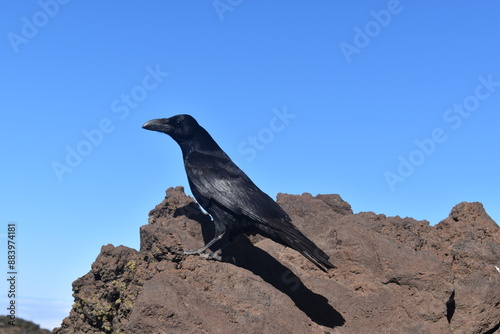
(179, 127)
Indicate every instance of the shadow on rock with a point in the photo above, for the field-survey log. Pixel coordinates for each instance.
(243, 254)
(259, 262)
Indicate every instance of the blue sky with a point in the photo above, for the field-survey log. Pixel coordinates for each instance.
(394, 105)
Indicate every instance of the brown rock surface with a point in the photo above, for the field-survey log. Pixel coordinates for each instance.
(19, 326)
(394, 275)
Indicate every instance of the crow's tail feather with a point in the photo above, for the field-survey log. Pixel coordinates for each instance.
(293, 238)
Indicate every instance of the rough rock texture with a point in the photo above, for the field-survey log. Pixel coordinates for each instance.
(20, 326)
(394, 275)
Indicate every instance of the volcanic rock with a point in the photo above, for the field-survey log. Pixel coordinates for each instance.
(394, 275)
(19, 326)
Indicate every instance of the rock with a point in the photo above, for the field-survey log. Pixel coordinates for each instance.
(20, 326)
(394, 275)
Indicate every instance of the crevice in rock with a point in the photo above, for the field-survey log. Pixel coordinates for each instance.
(450, 306)
(493, 330)
(393, 280)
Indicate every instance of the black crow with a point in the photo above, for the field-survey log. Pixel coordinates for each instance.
(235, 203)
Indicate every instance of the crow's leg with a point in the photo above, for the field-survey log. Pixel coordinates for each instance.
(217, 255)
(204, 248)
(220, 232)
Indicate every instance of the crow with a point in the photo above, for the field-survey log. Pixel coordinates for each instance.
(234, 202)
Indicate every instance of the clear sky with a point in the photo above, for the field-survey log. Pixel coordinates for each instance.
(394, 105)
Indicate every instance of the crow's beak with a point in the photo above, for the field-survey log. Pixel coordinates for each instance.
(160, 125)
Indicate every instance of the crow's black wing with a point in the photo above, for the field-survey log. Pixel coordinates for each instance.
(218, 179)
